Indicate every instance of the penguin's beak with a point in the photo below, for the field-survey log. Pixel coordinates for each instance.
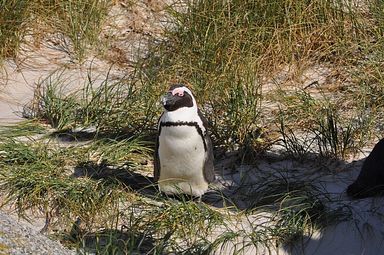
(168, 99)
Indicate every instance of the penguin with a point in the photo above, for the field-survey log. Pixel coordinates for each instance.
(370, 181)
(183, 162)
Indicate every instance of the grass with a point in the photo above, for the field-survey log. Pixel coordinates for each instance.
(14, 16)
(37, 179)
(114, 106)
(228, 52)
(81, 21)
(308, 125)
(25, 128)
(227, 69)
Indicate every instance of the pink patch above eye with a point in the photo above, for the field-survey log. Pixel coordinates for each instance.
(178, 91)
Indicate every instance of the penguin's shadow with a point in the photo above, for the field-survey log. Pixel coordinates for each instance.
(124, 174)
(86, 135)
(140, 183)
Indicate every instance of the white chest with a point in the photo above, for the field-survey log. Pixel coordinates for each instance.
(181, 153)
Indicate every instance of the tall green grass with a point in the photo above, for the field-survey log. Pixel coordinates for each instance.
(224, 50)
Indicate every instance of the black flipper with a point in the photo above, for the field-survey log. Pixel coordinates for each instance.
(156, 162)
(208, 168)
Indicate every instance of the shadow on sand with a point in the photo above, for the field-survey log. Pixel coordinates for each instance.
(131, 179)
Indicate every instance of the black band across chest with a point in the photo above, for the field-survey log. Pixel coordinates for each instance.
(185, 123)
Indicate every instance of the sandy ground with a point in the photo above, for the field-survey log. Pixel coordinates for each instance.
(362, 233)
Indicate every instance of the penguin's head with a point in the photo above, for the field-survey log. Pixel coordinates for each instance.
(178, 96)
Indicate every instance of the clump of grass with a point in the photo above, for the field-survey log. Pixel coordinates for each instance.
(283, 210)
(78, 23)
(156, 228)
(301, 211)
(53, 103)
(116, 151)
(308, 125)
(336, 138)
(35, 178)
(82, 22)
(125, 104)
(114, 241)
(179, 225)
(235, 116)
(14, 18)
(296, 144)
(18, 153)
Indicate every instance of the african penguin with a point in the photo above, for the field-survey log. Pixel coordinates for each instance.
(183, 154)
(370, 181)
